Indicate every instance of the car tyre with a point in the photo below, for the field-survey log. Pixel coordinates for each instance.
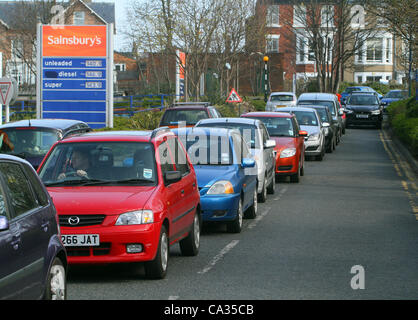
(235, 226)
(190, 245)
(295, 178)
(56, 286)
(157, 268)
(252, 211)
(262, 197)
(272, 187)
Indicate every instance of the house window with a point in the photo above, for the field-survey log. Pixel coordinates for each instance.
(374, 50)
(78, 18)
(357, 16)
(120, 67)
(299, 16)
(17, 49)
(273, 44)
(388, 53)
(327, 16)
(273, 16)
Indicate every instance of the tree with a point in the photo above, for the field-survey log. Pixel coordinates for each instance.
(327, 34)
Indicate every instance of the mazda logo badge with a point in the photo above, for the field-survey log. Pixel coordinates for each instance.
(74, 221)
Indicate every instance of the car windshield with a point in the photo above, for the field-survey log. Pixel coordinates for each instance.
(323, 114)
(278, 127)
(306, 118)
(397, 95)
(363, 100)
(191, 116)
(350, 90)
(281, 97)
(328, 104)
(208, 150)
(248, 131)
(96, 163)
(27, 142)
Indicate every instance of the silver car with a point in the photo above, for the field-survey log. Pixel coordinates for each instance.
(279, 100)
(310, 121)
(261, 147)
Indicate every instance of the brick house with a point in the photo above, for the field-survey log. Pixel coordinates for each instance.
(17, 35)
(285, 23)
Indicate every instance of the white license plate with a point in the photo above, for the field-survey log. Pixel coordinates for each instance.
(363, 116)
(81, 240)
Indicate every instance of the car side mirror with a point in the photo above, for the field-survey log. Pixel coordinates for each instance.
(341, 112)
(172, 177)
(303, 133)
(326, 125)
(4, 223)
(248, 163)
(270, 144)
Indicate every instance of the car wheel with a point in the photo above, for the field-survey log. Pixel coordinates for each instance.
(190, 246)
(295, 177)
(56, 286)
(252, 211)
(157, 268)
(236, 225)
(272, 187)
(302, 170)
(262, 197)
(379, 125)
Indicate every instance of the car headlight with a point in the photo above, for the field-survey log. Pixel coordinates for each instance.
(376, 112)
(287, 153)
(221, 187)
(313, 137)
(135, 217)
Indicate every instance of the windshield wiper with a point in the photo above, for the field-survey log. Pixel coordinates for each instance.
(112, 182)
(65, 183)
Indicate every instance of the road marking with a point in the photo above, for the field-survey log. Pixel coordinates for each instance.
(173, 297)
(259, 217)
(219, 256)
(403, 170)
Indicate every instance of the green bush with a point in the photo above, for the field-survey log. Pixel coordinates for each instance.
(403, 117)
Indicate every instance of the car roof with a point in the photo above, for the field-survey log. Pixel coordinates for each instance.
(4, 156)
(140, 136)
(59, 124)
(268, 114)
(208, 131)
(282, 93)
(291, 109)
(229, 120)
(317, 96)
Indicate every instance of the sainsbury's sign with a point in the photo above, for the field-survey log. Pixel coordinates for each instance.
(74, 41)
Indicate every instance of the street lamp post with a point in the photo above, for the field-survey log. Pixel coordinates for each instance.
(266, 60)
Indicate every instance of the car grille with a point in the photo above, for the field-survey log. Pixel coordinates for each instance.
(102, 250)
(285, 168)
(84, 220)
(311, 148)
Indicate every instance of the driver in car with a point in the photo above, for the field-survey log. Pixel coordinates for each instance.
(79, 163)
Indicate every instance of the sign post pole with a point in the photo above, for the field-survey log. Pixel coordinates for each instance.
(1, 75)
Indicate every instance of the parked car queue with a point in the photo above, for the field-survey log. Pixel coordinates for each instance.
(129, 196)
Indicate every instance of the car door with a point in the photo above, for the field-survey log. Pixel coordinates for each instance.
(26, 231)
(268, 153)
(10, 255)
(300, 141)
(188, 187)
(172, 192)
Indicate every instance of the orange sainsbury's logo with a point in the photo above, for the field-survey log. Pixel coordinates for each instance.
(74, 41)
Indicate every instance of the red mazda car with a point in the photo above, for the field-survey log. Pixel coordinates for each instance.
(290, 142)
(124, 197)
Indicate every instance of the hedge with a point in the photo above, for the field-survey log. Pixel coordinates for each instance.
(403, 117)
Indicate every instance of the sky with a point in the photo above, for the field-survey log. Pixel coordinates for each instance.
(120, 12)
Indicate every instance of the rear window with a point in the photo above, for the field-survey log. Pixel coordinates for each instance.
(328, 104)
(191, 116)
(281, 98)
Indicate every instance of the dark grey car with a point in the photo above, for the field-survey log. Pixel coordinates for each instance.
(364, 109)
(33, 261)
(331, 102)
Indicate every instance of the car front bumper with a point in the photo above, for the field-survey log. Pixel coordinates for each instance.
(219, 207)
(287, 166)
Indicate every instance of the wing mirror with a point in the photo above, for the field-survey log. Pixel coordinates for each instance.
(248, 163)
(341, 112)
(172, 177)
(270, 144)
(303, 133)
(326, 124)
(4, 223)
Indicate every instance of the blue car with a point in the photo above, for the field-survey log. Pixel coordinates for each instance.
(392, 96)
(33, 261)
(348, 91)
(32, 139)
(226, 174)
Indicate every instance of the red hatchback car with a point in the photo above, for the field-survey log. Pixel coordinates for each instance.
(124, 197)
(290, 142)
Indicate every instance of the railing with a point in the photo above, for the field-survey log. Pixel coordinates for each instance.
(122, 106)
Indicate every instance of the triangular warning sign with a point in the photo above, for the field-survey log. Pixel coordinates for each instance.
(233, 97)
(4, 91)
